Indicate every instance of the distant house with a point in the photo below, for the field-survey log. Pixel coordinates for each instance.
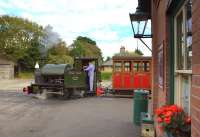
(6, 68)
(107, 66)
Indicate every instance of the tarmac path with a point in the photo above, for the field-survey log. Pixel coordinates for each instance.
(24, 116)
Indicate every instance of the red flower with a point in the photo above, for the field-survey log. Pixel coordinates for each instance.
(174, 108)
(158, 111)
(167, 120)
(168, 114)
(159, 120)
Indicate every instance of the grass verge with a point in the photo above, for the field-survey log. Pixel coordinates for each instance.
(26, 75)
(106, 75)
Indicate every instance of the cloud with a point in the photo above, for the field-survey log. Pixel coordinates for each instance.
(4, 4)
(129, 43)
(106, 21)
(2, 12)
(104, 35)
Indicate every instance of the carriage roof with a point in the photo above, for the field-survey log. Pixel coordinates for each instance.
(131, 58)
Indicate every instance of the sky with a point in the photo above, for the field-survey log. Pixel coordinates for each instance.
(105, 21)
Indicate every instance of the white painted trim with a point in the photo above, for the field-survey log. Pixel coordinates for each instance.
(184, 71)
(180, 74)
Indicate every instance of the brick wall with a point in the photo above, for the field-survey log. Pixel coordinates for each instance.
(160, 33)
(160, 30)
(195, 93)
(159, 37)
(154, 58)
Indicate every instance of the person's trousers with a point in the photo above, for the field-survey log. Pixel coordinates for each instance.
(91, 82)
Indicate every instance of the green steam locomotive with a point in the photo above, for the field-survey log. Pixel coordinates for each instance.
(64, 79)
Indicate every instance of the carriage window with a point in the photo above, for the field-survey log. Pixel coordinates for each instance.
(127, 66)
(136, 66)
(146, 66)
(142, 66)
(118, 66)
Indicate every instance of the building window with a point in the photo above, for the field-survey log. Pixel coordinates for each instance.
(183, 56)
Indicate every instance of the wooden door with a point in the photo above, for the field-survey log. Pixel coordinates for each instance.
(127, 75)
(117, 78)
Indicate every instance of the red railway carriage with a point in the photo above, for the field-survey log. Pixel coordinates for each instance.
(130, 73)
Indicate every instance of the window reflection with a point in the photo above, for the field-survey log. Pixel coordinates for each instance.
(127, 66)
(118, 66)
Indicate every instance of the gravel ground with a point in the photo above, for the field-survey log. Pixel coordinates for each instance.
(25, 116)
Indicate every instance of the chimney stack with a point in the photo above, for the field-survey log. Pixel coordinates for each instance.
(122, 50)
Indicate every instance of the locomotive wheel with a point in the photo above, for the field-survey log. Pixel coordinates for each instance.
(42, 94)
(67, 94)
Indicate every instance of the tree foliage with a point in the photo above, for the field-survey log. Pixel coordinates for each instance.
(31, 56)
(25, 42)
(17, 35)
(59, 54)
(139, 52)
(85, 47)
(108, 58)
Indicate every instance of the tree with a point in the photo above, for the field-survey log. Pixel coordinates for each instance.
(108, 58)
(59, 54)
(139, 52)
(17, 35)
(85, 47)
(32, 55)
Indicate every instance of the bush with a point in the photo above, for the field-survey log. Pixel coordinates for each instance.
(106, 75)
(26, 75)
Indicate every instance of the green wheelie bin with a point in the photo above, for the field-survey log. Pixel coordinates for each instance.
(140, 105)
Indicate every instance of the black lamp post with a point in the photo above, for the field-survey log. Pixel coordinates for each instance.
(141, 21)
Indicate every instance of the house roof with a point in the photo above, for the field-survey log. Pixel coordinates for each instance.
(107, 63)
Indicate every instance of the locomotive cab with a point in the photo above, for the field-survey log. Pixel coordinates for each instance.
(77, 79)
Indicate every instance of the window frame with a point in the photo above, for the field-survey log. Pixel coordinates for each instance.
(121, 66)
(184, 72)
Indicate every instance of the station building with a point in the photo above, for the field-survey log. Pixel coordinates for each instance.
(175, 26)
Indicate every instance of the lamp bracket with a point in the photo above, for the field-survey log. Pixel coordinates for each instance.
(145, 44)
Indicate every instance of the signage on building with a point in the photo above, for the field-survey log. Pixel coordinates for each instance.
(160, 66)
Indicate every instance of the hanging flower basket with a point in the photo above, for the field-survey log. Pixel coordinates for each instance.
(173, 121)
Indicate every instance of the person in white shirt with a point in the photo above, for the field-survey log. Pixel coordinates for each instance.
(90, 69)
